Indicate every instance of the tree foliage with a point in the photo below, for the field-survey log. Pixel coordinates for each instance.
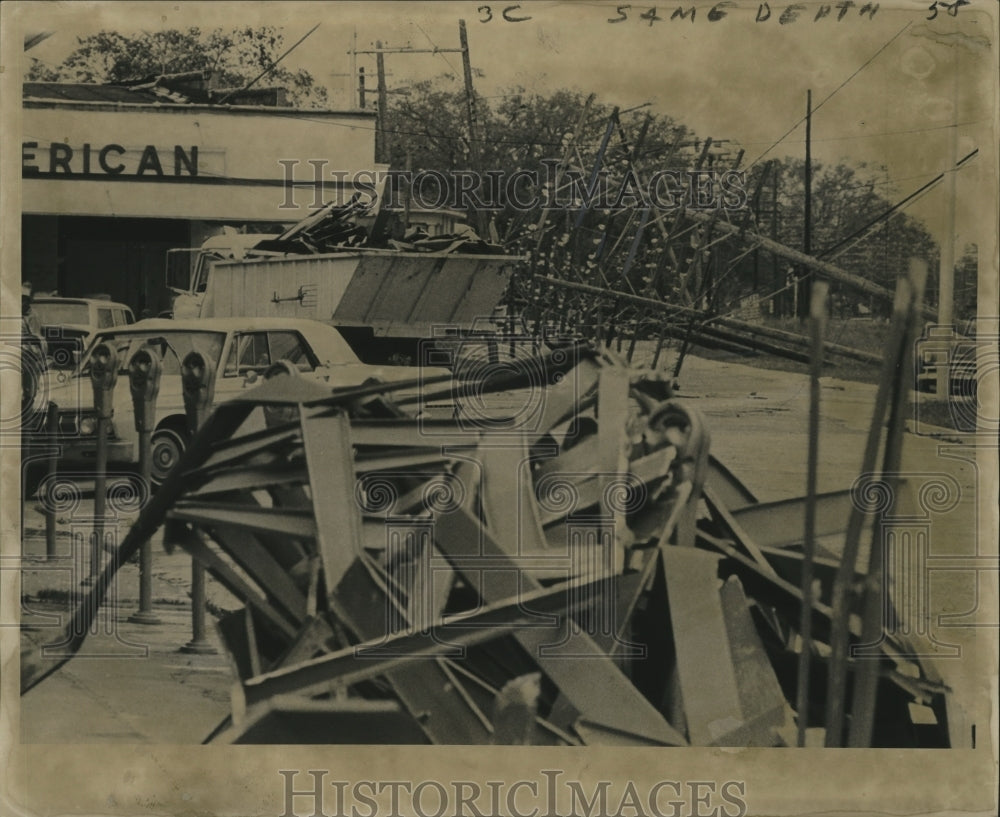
(234, 57)
(854, 226)
(660, 254)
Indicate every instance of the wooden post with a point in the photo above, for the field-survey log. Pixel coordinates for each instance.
(381, 151)
(802, 285)
(470, 109)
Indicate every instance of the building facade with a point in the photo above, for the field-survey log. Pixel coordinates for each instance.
(113, 177)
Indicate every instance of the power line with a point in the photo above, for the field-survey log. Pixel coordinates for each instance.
(436, 49)
(898, 206)
(270, 68)
(881, 133)
(861, 68)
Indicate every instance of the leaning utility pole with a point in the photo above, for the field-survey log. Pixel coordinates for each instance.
(381, 151)
(475, 157)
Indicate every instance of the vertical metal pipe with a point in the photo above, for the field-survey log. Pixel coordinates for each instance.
(52, 426)
(198, 382)
(145, 614)
(817, 315)
(841, 604)
(875, 593)
(144, 384)
(100, 498)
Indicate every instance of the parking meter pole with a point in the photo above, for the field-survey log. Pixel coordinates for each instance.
(144, 383)
(198, 382)
(103, 376)
(52, 426)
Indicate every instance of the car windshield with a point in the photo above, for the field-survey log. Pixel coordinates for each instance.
(172, 346)
(62, 314)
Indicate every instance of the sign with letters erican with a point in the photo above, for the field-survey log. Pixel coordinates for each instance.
(113, 159)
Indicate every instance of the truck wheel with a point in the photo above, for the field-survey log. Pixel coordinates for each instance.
(167, 445)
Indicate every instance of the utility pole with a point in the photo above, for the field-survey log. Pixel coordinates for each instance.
(777, 279)
(946, 272)
(475, 156)
(361, 87)
(802, 286)
(381, 152)
(354, 61)
(470, 107)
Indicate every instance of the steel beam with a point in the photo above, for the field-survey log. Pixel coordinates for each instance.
(782, 523)
(595, 687)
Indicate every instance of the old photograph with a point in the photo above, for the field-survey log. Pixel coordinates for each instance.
(502, 410)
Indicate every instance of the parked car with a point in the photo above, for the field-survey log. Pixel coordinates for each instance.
(240, 350)
(69, 324)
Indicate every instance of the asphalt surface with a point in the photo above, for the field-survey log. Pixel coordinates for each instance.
(133, 684)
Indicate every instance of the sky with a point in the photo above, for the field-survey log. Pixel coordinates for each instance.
(890, 88)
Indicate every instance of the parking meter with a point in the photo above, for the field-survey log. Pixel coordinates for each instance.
(198, 382)
(144, 383)
(103, 376)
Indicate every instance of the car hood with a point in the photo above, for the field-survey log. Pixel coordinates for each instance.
(76, 392)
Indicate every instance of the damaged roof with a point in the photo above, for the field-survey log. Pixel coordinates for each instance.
(87, 92)
(190, 88)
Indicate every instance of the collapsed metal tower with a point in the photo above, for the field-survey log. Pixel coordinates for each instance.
(559, 562)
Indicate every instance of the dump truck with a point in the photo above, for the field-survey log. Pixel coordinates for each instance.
(381, 295)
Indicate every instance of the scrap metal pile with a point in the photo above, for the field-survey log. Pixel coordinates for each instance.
(580, 573)
(335, 228)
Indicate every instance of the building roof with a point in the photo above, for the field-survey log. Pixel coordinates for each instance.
(172, 91)
(193, 87)
(88, 92)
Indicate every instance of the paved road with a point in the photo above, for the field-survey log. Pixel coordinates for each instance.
(758, 421)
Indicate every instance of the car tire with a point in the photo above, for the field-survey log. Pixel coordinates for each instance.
(167, 446)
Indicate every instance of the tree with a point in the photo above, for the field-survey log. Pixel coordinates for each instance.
(848, 227)
(233, 58)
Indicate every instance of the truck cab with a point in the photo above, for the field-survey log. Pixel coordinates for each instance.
(188, 269)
